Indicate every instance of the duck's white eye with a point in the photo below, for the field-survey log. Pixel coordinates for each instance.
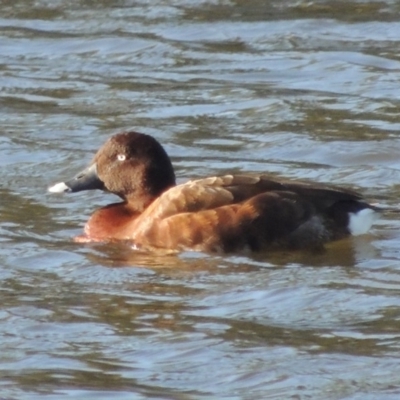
(121, 157)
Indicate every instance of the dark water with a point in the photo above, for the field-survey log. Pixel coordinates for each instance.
(303, 89)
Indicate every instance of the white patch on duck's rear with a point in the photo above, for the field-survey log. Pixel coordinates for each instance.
(361, 221)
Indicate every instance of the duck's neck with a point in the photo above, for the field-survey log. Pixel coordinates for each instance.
(138, 202)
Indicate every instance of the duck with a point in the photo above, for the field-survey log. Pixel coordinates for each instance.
(216, 214)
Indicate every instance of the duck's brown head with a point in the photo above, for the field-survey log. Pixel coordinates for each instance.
(132, 165)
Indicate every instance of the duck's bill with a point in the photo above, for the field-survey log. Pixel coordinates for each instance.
(86, 180)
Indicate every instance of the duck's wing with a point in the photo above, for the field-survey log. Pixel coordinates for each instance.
(243, 187)
(212, 192)
(234, 211)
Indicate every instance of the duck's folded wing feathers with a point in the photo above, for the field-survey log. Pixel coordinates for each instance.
(213, 192)
(234, 211)
(262, 221)
(243, 187)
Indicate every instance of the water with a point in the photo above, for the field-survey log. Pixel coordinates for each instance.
(308, 90)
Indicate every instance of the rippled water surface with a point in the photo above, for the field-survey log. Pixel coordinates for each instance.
(305, 89)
